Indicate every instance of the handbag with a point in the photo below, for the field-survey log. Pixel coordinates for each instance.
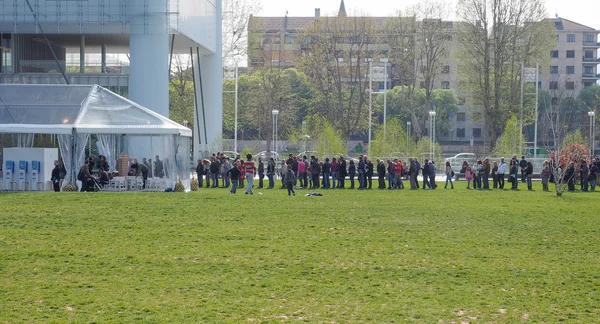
(452, 173)
(511, 179)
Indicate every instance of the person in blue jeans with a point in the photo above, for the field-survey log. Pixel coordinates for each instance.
(326, 172)
(234, 174)
(271, 173)
(361, 172)
(334, 173)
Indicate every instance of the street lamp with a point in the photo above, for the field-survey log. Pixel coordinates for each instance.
(431, 133)
(408, 125)
(385, 62)
(275, 114)
(592, 114)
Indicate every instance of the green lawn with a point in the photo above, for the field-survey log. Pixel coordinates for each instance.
(349, 256)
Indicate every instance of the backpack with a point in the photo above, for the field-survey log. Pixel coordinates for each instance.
(79, 176)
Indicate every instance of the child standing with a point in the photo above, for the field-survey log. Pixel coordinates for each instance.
(290, 180)
(469, 176)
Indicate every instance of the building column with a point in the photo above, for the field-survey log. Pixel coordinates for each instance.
(82, 54)
(210, 95)
(103, 58)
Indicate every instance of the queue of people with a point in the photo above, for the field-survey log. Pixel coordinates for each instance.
(337, 173)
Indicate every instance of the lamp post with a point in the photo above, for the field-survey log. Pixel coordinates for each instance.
(385, 62)
(431, 133)
(408, 125)
(592, 115)
(275, 114)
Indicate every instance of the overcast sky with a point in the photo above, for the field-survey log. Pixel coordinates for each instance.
(586, 12)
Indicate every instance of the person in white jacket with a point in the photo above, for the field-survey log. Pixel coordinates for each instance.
(501, 172)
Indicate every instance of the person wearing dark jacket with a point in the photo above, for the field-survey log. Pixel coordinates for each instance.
(514, 173)
(523, 166)
(570, 177)
(141, 170)
(529, 175)
(351, 173)
(593, 175)
(426, 175)
(326, 171)
(583, 173)
(369, 173)
(234, 174)
(381, 173)
(261, 172)
(200, 172)
(56, 177)
(271, 173)
(413, 171)
(342, 172)
(361, 172)
(214, 172)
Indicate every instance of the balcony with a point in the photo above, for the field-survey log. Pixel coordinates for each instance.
(591, 60)
(591, 44)
(590, 76)
(103, 79)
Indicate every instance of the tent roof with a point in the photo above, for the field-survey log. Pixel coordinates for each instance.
(91, 109)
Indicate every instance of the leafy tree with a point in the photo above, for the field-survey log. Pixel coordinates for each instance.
(574, 138)
(327, 141)
(391, 142)
(508, 143)
(421, 151)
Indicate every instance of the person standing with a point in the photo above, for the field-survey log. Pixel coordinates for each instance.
(570, 177)
(250, 171)
(261, 172)
(486, 174)
(226, 166)
(432, 174)
(593, 175)
(282, 173)
(529, 175)
(469, 176)
(545, 175)
(399, 170)
(200, 172)
(361, 172)
(523, 166)
(501, 172)
(271, 173)
(413, 171)
(351, 173)
(56, 177)
(495, 174)
(425, 173)
(381, 173)
(514, 174)
(583, 173)
(342, 172)
(302, 174)
(290, 180)
(334, 173)
(234, 174)
(214, 172)
(391, 175)
(449, 175)
(369, 173)
(326, 172)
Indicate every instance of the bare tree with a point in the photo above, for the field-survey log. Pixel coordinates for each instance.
(495, 38)
(334, 51)
(236, 14)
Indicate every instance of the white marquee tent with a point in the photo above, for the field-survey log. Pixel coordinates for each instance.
(77, 113)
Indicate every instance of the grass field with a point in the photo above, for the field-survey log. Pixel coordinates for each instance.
(447, 256)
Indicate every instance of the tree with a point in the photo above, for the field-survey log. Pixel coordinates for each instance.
(181, 91)
(333, 56)
(508, 143)
(495, 38)
(327, 141)
(391, 142)
(236, 15)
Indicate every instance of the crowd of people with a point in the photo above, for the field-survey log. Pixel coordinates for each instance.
(337, 173)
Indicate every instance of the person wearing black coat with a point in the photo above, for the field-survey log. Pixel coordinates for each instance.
(200, 172)
(351, 173)
(369, 173)
(342, 172)
(56, 177)
(381, 173)
(426, 175)
(570, 177)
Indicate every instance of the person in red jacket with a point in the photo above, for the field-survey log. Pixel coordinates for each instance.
(250, 172)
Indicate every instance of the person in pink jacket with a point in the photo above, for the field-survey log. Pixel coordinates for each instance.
(469, 176)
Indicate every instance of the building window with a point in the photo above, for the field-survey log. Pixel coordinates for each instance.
(422, 84)
(589, 84)
(554, 69)
(589, 55)
(553, 85)
(570, 70)
(476, 132)
(570, 38)
(290, 38)
(446, 69)
(460, 132)
(588, 70)
(554, 54)
(570, 54)
(445, 84)
(570, 85)
(461, 116)
(589, 38)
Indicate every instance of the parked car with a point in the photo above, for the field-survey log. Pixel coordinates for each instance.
(457, 161)
(265, 155)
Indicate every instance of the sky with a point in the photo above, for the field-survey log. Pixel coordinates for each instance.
(586, 12)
